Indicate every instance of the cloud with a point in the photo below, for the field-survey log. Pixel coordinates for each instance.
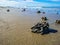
(3, 0)
(11, 0)
(9, 3)
(17, 0)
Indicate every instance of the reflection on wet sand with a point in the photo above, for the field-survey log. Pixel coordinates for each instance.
(15, 30)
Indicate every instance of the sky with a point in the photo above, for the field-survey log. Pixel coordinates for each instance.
(30, 3)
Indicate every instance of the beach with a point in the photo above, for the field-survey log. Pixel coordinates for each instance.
(15, 28)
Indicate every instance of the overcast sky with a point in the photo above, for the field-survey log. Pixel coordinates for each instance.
(21, 3)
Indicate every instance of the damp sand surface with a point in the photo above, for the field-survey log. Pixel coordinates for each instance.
(15, 29)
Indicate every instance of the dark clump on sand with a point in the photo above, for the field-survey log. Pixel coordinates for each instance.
(8, 10)
(38, 11)
(41, 27)
(43, 12)
(24, 10)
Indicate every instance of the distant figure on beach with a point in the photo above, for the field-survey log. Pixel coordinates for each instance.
(8, 10)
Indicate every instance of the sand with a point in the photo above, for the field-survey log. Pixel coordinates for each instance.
(15, 28)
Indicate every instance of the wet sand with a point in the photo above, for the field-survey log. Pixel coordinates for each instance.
(15, 29)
